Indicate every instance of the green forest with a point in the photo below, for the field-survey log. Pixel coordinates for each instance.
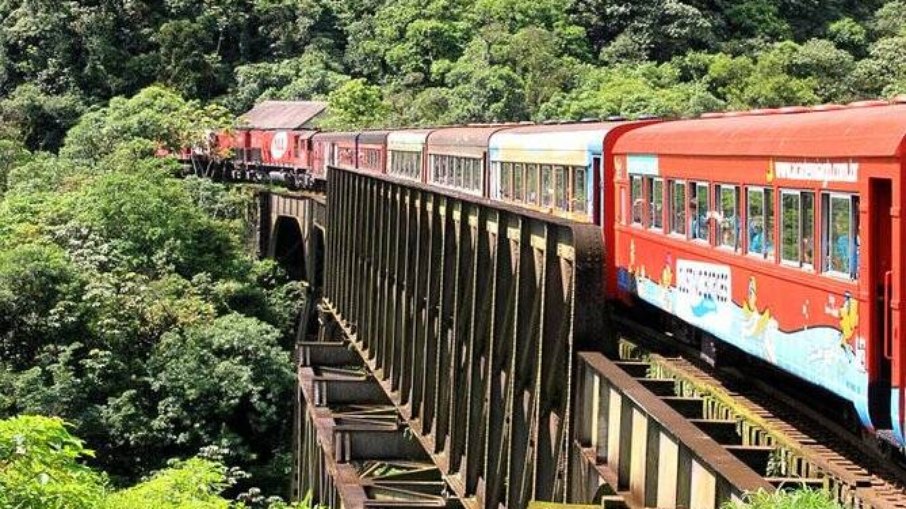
(415, 62)
(133, 314)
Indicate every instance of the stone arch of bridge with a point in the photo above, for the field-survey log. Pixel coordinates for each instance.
(288, 247)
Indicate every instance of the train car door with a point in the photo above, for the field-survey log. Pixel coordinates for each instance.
(881, 279)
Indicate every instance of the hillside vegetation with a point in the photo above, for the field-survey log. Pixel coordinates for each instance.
(131, 308)
(408, 62)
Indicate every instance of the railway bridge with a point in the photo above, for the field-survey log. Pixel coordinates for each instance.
(450, 355)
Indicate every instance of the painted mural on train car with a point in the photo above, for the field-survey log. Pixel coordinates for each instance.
(805, 329)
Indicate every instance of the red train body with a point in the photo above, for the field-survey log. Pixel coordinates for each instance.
(775, 231)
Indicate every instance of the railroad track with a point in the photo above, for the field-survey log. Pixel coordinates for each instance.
(785, 443)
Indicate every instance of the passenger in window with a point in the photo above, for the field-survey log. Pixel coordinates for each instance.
(842, 247)
(806, 251)
(756, 236)
(637, 207)
(698, 222)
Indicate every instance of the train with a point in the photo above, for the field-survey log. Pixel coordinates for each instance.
(776, 231)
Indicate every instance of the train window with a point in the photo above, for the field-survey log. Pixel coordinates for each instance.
(518, 190)
(841, 236)
(450, 171)
(729, 216)
(456, 164)
(531, 184)
(677, 207)
(580, 192)
(790, 231)
(560, 188)
(808, 229)
(506, 183)
(656, 203)
(478, 174)
(637, 199)
(797, 230)
(698, 212)
(760, 222)
(547, 186)
(415, 163)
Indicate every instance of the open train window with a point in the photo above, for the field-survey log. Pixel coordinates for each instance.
(656, 203)
(797, 230)
(580, 191)
(505, 185)
(518, 190)
(840, 227)
(728, 220)
(699, 203)
(760, 222)
(677, 215)
(531, 184)
(561, 188)
(547, 186)
(638, 201)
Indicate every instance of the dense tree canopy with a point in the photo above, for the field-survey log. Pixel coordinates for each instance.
(119, 285)
(439, 61)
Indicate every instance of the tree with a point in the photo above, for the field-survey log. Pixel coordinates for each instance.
(884, 71)
(890, 20)
(832, 69)
(196, 483)
(155, 114)
(244, 393)
(12, 154)
(849, 35)
(42, 119)
(356, 104)
(631, 91)
(41, 466)
(310, 76)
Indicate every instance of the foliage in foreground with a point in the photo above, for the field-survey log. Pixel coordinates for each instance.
(804, 498)
(42, 467)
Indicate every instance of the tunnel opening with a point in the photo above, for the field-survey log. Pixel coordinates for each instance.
(289, 250)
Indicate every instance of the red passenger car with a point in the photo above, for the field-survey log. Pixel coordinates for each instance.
(372, 151)
(779, 234)
(338, 149)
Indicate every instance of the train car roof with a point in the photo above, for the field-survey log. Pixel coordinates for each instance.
(270, 115)
(569, 144)
(412, 140)
(866, 130)
(349, 136)
(373, 137)
(468, 141)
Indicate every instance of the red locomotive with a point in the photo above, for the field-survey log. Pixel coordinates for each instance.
(775, 231)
